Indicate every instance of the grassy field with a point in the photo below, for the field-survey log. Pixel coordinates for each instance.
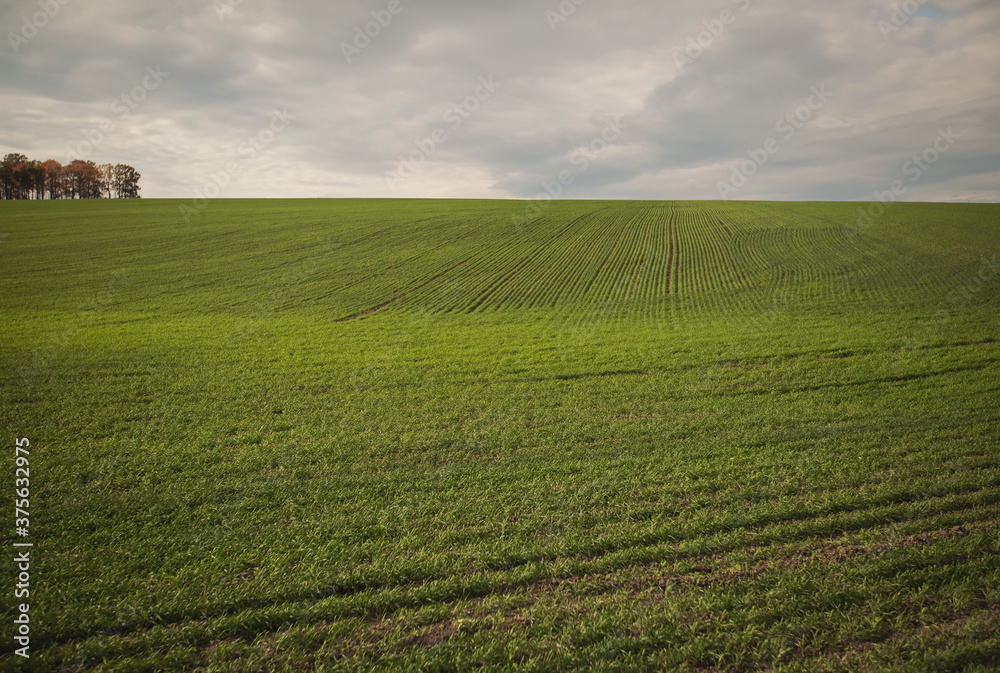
(441, 435)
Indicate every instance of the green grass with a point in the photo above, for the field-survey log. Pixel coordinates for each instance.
(437, 435)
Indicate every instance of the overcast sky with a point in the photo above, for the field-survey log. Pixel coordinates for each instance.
(643, 99)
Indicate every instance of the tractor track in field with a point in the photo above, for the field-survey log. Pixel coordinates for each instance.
(704, 569)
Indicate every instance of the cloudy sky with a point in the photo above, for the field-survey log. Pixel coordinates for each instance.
(644, 99)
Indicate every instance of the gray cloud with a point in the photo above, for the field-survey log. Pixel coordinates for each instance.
(562, 76)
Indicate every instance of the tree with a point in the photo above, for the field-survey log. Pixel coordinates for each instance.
(8, 175)
(25, 179)
(53, 178)
(107, 176)
(126, 180)
(22, 178)
(36, 178)
(85, 179)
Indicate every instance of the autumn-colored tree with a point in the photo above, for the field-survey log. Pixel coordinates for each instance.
(84, 179)
(53, 178)
(22, 178)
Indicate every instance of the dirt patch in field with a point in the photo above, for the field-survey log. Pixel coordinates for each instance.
(370, 642)
(430, 636)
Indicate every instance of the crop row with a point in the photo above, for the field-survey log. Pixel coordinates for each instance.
(654, 257)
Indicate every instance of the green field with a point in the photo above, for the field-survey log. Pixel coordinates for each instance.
(441, 435)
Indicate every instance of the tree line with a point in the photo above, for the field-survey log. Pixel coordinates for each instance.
(22, 178)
